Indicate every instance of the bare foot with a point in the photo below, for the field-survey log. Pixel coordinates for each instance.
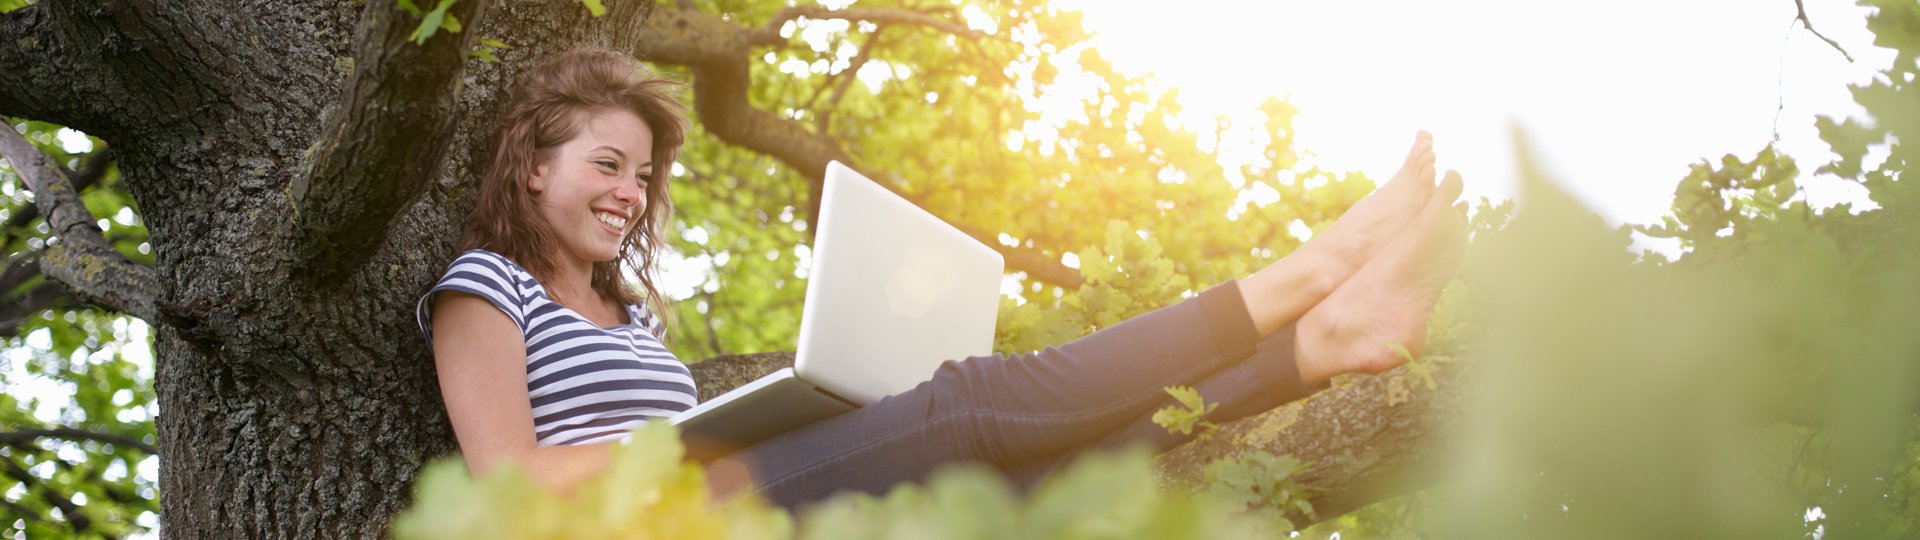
(1281, 292)
(1389, 299)
(1371, 223)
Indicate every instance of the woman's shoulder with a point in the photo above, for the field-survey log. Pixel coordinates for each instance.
(494, 262)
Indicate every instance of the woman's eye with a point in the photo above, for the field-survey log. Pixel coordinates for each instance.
(645, 181)
(608, 164)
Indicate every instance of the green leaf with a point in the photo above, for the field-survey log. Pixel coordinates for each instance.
(431, 24)
(1190, 411)
(594, 7)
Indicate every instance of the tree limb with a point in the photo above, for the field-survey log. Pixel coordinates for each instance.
(27, 436)
(88, 175)
(1800, 8)
(110, 67)
(20, 269)
(1363, 445)
(67, 509)
(78, 254)
(716, 52)
(769, 34)
(383, 142)
(840, 81)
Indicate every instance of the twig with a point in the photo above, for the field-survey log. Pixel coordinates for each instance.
(75, 434)
(769, 34)
(1801, 7)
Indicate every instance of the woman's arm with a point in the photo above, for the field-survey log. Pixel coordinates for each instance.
(482, 364)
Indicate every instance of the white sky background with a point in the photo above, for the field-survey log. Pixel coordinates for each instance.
(1619, 97)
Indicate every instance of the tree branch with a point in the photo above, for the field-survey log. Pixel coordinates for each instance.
(716, 52)
(769, 34)
(27, 436)
(79, 255)
(20, 269)
(67, 509)
(1800, 8)
(840, 81)
(1364, 446)
(110, 67)
(383, 143)
(88, 175)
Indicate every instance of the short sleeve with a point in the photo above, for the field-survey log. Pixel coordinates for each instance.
(653, 323)
(479, 273)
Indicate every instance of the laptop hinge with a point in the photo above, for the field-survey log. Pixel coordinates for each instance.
(830, 395)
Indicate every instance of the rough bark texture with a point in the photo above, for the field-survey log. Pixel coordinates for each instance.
(1367, 439)
(294, 407)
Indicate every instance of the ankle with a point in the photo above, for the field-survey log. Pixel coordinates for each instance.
(1281, 293)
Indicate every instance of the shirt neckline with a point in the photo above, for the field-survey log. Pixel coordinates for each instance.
(633, 319)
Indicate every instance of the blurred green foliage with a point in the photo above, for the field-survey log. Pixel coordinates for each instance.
(651, 493)
(58, 485)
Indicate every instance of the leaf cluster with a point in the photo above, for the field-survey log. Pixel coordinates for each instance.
(650, 493)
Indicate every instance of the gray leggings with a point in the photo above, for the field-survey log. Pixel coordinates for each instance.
(1028, 414)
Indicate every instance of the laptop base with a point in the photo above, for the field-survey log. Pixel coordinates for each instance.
(757, 411)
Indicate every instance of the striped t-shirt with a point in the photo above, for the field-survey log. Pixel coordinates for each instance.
(587, 384)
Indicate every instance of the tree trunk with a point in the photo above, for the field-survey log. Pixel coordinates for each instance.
(297, 396)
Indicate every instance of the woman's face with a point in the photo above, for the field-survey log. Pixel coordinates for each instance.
(591, 189)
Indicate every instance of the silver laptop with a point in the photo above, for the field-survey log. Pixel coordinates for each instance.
(893, 292)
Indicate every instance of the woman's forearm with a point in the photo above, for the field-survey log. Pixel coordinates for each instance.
(557, 468)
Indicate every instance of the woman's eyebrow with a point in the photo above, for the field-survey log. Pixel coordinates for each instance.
(623, 155)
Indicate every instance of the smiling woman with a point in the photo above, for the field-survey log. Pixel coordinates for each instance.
(544, 355)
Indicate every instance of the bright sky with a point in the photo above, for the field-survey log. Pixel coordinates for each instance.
(1619, 96)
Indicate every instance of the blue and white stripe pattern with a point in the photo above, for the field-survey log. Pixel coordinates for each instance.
(587, 384)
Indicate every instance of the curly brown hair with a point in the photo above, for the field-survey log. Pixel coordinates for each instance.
(542, 113)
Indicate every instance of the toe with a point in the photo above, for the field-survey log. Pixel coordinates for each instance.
(1451, 186)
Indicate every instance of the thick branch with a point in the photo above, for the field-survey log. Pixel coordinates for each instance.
(383, 142)
(79, 255)
(716, 51)
(769, 34)
(27, 436)
(18, 308)
(1362, 446)
(88, 175)
(108, 67)
(717, 375)
(31, 82)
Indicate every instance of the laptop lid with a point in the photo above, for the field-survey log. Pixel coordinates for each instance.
(893, 292)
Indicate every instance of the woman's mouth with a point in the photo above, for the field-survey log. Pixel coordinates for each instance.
(613, 223)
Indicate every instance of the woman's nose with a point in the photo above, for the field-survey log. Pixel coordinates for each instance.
(628, 194)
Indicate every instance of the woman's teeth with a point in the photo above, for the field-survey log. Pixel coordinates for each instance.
(611, 220)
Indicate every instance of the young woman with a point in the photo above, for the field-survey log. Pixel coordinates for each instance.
(547, 355)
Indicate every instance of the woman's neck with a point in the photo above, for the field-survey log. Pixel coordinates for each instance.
(573, 282)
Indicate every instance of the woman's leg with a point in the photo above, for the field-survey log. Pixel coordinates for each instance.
(1037, 406)
(1004, 410)
(1263, 382)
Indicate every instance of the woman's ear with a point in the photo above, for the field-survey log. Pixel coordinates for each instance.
(537, 179)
